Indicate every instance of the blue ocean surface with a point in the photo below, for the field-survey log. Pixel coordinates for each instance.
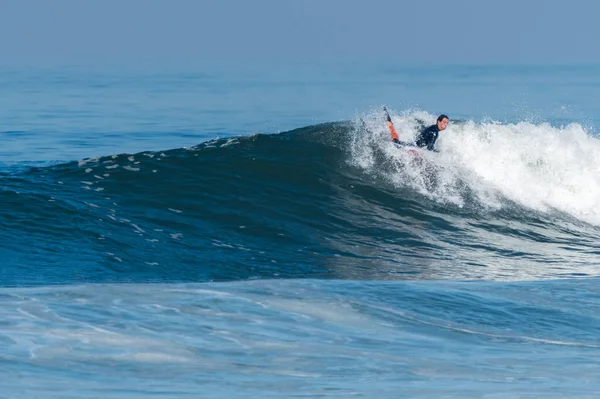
(252, 231)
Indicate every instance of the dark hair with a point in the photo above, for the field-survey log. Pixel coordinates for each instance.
(442, 117)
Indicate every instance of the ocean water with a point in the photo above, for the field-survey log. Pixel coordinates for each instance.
(249, 231)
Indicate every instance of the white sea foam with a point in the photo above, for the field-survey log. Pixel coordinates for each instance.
(539, 166)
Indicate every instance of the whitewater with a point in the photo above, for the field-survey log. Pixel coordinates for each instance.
(539, 166)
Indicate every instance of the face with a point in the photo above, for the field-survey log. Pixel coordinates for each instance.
(443, 124)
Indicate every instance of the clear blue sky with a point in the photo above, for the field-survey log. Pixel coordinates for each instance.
(60, 32)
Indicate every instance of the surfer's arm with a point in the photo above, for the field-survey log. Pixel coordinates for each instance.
(402, 143)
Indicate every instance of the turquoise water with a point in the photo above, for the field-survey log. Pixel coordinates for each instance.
(252, 232)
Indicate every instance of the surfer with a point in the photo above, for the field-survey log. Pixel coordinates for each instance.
(428, 137)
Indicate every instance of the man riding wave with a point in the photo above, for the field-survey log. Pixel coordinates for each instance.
(426, 138)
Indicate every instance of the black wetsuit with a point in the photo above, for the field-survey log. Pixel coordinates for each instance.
(428, 137)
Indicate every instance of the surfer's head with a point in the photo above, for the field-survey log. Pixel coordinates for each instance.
(442, 122)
